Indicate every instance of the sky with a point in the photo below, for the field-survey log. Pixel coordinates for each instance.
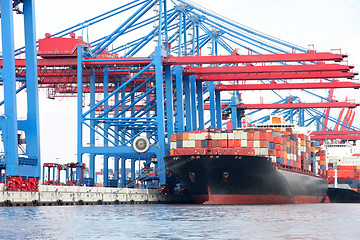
(324, 24)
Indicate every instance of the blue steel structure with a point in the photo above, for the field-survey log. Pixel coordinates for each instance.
(168, 106)
(25, 164)
(149, 97)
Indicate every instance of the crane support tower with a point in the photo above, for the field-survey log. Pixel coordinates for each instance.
(20, 138)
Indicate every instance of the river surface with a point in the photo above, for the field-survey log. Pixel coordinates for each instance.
(301, 221)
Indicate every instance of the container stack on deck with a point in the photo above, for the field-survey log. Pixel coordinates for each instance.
(286, 148)
(346, 175)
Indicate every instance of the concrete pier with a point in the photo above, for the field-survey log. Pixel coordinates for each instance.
(76, 195)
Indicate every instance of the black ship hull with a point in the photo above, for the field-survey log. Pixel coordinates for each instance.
(340, 195)
(231, 179)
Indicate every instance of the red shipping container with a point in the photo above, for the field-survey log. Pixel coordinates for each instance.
(302, 136)
(286, 133)
(278, 140)
(257, 136)
(285, 161)
(211, 143)
(264, 144)
(272, 152)
(198, 143)
(173, 138)
(231, 143)
(179, 136)
(250, 136)
(346, 173)
(237, 143)
(223, 143)
(250, 144)
(266, 136)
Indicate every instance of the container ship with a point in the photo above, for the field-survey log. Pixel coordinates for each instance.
(269, 164)
(342, 162)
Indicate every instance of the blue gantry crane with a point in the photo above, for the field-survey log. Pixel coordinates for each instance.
(20, 167)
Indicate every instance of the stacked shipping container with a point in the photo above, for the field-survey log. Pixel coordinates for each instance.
(346, 175)
(283, 146)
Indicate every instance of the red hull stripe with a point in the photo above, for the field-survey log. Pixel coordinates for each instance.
(254, 199)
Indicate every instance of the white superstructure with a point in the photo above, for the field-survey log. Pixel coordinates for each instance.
(342, 154)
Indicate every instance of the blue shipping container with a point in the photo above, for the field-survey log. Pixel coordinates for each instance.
(280, 160)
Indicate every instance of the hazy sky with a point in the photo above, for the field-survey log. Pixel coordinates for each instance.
(328, 24)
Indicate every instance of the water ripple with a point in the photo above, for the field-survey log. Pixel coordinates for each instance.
(303, 221)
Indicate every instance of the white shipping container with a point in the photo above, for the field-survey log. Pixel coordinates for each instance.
(2, 186)
(172, 145)
(243, 143)
(273, 159)
(244, 136)
(192, 144)
(192, 136)
(231, 136)
(264, 151)
(224, 136)
(256, 144)
(257, 151)
(185, 143)
(217, 136)
(204, 135)
(237, 135)
(198, 136)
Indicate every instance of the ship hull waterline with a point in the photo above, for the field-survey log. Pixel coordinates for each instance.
(234, 179)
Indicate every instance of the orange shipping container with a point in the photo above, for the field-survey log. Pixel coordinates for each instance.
(185, 136)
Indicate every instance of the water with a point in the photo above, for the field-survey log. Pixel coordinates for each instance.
(302, 221)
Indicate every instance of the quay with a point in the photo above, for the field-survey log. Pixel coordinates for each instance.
(79, 195)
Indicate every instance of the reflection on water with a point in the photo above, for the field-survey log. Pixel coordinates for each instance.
(302, 221)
